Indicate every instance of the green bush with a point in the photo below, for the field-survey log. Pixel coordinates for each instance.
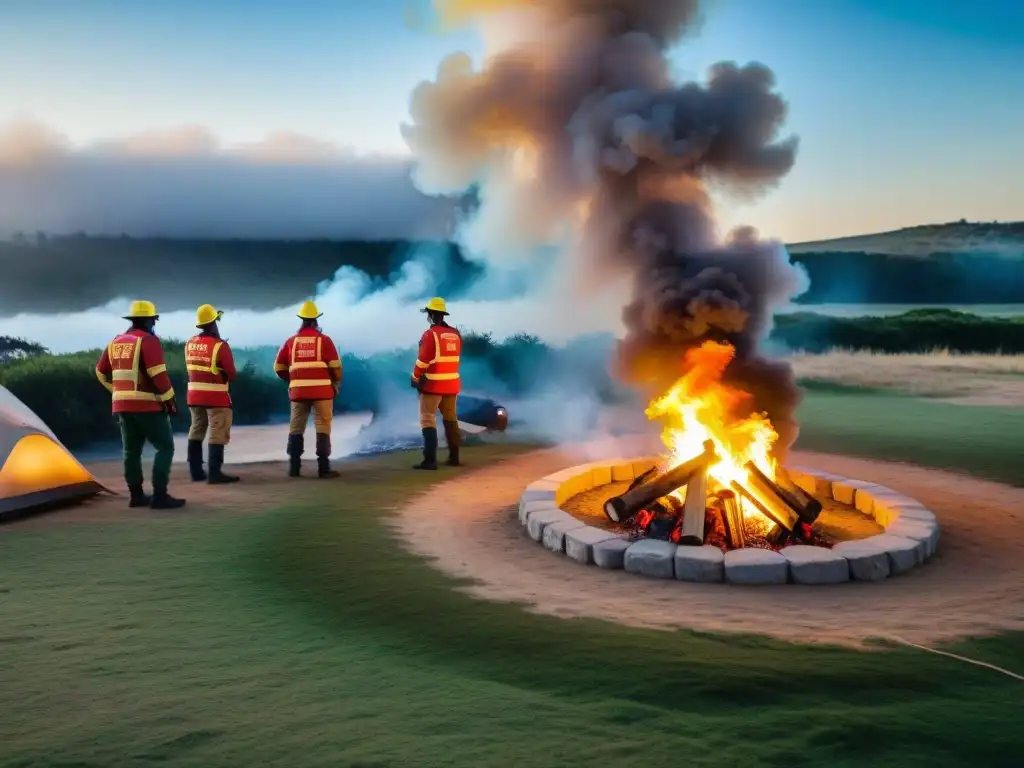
(64, 392)
(361, 378)
(14, 348)
(63, 389)
(920, 330)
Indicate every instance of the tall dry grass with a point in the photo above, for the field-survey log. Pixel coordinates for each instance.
(994, 379)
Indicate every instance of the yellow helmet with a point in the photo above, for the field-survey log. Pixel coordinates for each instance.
(308, 311)
(436, 304)
(140, 309)
(206, 314)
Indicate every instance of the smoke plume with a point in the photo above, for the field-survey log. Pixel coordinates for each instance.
(577, 132)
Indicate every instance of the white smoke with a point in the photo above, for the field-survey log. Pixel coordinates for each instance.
(362, 323)
(185, 183)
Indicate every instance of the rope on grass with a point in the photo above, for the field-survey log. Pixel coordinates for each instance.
(1006, 672)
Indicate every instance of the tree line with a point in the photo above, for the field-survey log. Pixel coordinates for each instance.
(263, 274)
(63, 391)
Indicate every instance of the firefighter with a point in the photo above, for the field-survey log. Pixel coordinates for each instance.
(309, 362)
(132, 368)
(211, 368)
(436, 377)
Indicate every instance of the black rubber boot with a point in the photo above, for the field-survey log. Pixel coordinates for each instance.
(163, 500)
(323, 457)
(429, 449)
(453, 438)
(195, 460)
(296, 445)
(137, 497)
(217, 477)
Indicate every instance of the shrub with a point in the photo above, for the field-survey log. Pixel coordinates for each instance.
(522, 362)
(920, 330)
(63, 389)
(64, 392)
(14, 348)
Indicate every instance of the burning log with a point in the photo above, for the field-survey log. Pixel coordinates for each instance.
(779, 514)
(714, 526)
(623, 507)
(641, 479)
(732, 516)
(806, 507)
(694, 508)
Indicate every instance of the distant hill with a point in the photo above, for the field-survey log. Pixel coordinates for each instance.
(76, 272)
(956, 263)
(991, 238)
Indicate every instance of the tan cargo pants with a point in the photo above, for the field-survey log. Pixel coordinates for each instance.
(323, 415)
(216, 420)
(431, 404)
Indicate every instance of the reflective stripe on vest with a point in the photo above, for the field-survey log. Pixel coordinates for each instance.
(203, 365)
(305, 366)
(444, 361)
(203, 386)
(126, 380)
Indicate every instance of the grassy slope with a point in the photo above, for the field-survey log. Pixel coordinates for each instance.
(302, 638)
(938, 374)
(982, 440)
(954, 237)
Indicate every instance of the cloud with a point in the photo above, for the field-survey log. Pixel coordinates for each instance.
(184, 182)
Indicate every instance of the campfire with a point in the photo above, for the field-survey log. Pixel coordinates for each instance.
(719, 484)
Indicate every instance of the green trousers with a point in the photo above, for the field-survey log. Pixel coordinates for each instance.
(136, 429)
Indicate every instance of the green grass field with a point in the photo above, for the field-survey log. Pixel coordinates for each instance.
(982, 440)
(301, 637)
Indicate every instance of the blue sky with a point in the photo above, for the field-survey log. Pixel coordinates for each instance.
(909, 111)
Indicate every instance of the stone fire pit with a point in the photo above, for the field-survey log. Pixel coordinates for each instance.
(897, 533)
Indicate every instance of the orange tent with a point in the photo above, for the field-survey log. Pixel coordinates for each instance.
(36, 470)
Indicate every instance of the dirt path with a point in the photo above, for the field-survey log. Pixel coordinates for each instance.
(265, 487)
(467, 526)
(974, 585)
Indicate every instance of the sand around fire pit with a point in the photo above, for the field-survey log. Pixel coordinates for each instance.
(972, 586)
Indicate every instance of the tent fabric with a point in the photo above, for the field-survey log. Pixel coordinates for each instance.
(35, 468)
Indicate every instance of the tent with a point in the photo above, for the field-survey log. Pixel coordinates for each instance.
(36, 470)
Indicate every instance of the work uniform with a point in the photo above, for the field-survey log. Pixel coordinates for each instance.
(435, 375)
(132, 368)
(310, 363)
(211, 368)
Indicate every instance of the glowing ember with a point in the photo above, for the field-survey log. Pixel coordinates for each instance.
(700, 407)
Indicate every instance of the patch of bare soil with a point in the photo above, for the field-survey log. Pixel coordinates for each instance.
(468, 528)
(263, 487)
(996, 380)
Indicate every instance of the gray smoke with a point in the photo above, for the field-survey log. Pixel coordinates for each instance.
(583, 89)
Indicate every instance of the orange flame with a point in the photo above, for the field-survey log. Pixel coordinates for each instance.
(700, 407)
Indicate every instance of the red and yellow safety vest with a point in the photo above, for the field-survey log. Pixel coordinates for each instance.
(132, 368)
(210, 367)
(309, 362)
(438, 361)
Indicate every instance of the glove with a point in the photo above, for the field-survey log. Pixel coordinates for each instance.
(414, 384)
(172, 407)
